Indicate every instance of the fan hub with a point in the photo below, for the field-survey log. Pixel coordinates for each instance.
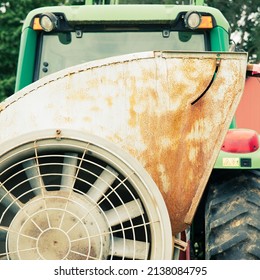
(53, 244)
(59, 225)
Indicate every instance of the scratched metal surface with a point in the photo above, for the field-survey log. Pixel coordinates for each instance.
(158, 106)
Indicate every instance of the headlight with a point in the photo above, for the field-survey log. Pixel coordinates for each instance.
(192, 19)
(48, 22)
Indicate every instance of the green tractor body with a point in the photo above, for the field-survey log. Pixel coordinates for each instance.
(125, 109)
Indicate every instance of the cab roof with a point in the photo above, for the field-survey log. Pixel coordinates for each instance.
(126, 13)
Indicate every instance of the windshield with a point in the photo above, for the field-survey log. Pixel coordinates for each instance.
(62, 50)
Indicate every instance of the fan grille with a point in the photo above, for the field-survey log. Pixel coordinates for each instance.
(72, 199)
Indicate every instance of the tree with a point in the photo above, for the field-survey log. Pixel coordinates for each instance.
(245, 24)
(12, 14)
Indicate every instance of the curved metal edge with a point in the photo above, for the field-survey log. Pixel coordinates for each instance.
(114, 60)
(108, 146)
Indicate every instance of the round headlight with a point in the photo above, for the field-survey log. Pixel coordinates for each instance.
(48, 22)
(192, 20)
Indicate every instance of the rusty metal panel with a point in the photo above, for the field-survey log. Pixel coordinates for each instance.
(169, 110)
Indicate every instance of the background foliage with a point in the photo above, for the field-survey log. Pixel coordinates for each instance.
(244, 17)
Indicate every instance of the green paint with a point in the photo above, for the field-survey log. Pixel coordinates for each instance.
(25, 68)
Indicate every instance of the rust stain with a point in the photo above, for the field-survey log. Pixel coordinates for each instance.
(95, 108)
(109, 101)
(166, 163)
(181, 141)
(87, 119)
(133, 101)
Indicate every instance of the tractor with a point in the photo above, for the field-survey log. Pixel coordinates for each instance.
(119, 142)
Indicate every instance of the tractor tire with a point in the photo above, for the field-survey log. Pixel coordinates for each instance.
(232, 224)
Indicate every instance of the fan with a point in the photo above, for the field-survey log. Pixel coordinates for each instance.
(78, 197)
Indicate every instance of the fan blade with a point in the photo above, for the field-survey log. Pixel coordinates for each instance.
(34, 177)
(130, 249)
(3, 233)
(125, 212)
(69, 170)
(8, 200)
(103, 182)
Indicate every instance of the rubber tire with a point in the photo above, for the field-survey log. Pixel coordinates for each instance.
(232, 218)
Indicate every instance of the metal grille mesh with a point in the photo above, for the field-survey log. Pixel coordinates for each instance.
(67, 199)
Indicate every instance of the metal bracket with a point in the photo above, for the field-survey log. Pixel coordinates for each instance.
(58, 134)
(179, 244)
